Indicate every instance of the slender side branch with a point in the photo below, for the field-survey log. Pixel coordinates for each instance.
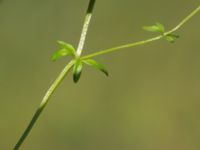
(85, 27)
(186, 19)
(121, 47)
(44, 103)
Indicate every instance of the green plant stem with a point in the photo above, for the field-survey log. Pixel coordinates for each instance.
(121, 47)
(105, 51)
(186, 19)
(85, 27)
(79, 50)
(60, 77)
(44, 102)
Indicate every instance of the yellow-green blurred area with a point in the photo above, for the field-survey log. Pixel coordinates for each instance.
(150, 101)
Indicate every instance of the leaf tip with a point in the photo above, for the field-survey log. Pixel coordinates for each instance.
(106, 73)
(77, 70)
(171, 37)
(76, 78)
(158, 27)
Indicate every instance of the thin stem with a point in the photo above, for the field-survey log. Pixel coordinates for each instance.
(85, 27)
(44, 102)
(186, 19)
(121, 47)
(109, 50)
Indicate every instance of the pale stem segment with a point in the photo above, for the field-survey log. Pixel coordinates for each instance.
(44, 102)
(85, 27)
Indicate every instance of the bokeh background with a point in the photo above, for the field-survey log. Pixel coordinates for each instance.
(151, 100)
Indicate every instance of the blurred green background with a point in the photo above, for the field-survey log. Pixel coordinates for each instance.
(150, 101)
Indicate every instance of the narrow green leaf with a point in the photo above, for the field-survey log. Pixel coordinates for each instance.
(65, 49)
(66, 46)
(77, 70)
(96, 65)
(171, 37)
(151, 28)
(60, 53)
(161, 27)
(158, 27)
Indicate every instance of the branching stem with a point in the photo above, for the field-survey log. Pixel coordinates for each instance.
(60, 77)
(186, 19)
(64, 72)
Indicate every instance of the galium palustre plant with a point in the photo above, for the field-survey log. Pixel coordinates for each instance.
(78, 62)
